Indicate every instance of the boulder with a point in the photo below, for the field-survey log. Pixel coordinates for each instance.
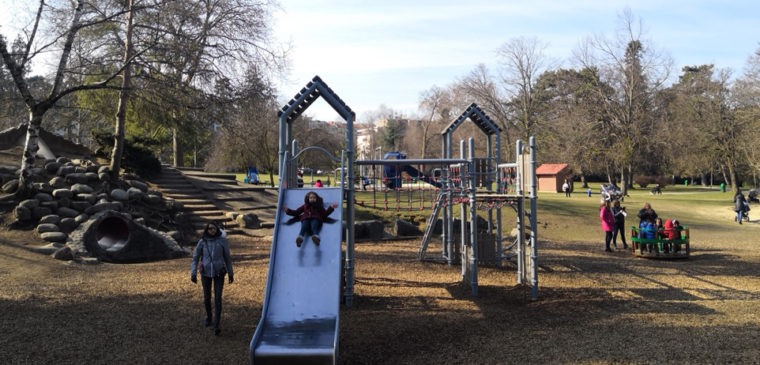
(103, 177)
(67, 212)
(63, 193)
(152, 199)
(54, 236)
(62, 160)
(91, 176)
(37, 174)
(43, 197)
(40, 212)
(77, 178)
(248, 220)
(134, 193)
(52, 205)
(104, 170)
(138, 184)
(47, 227)
(80, 206)
(65, 170)
(42, 187)
(100, 207)
(370, 230)
(11, 186)
(64, 254)
(87, 197)
(64, 202)
(92, 168)
(22, 213)
(52, 219)
(81, 218)
(402, 228)
(58, 183)
(67, 225)
(80, 188)
(52, 167)
(119, 195)
(80, 170)
(29, 203)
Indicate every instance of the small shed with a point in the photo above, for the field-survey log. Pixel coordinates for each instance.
(551, 176)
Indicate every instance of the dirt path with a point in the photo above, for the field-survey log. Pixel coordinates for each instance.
(594, 308)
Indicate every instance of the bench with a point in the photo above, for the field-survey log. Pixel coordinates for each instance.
(660, 247)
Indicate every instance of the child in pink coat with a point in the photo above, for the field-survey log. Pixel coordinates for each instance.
(608, 224)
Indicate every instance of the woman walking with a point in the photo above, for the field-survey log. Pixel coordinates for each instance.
(212, 258)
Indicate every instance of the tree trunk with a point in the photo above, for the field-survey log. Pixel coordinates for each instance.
(583, 181)
(118, 143)
(177, 148)
(31, 146)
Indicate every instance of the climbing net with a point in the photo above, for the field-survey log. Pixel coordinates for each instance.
(418, 188)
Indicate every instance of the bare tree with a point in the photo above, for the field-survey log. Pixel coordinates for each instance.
(436, 105)
(121, 110)
(523, 60)
(635, 72)
(80, 18)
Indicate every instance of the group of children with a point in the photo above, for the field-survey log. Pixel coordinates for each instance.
(652, 227)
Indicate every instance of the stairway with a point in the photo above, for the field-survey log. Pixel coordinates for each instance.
(194, 200)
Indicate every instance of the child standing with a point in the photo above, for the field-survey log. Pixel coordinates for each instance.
(312, 213)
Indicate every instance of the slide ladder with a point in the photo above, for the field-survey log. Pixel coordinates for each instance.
(299, 320)
(431, 224)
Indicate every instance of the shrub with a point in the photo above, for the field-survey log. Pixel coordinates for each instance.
(136, 158)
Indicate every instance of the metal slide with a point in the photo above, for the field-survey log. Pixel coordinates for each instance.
(299, 320)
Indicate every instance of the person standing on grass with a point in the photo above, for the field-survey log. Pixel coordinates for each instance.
(608, 223)
(212, 259)
(619, 214)
(739, 205)
(312, 214)
(566, 189)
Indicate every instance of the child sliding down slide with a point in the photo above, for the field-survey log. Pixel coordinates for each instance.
(312, 214)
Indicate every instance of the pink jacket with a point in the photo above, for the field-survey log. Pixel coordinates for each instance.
(608, 221)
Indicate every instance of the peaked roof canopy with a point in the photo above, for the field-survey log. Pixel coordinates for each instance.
(478, 116)
(313, 90)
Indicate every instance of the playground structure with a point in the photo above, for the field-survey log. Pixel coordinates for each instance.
(652, 244)
(290, 331)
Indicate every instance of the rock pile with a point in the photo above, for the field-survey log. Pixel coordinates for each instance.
(67, 193)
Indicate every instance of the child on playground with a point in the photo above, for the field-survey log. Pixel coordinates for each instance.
(312, 214)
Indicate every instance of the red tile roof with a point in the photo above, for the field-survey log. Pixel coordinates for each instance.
(550, 168)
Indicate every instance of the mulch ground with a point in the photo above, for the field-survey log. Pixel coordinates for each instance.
(593, 308)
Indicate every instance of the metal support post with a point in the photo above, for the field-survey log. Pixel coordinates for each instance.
(533, 219)
(473, 222)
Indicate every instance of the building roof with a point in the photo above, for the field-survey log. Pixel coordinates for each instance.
(550, 168)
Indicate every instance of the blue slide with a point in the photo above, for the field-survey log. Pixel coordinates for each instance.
(299, 319)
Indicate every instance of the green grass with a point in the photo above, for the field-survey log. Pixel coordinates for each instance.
(706, 211)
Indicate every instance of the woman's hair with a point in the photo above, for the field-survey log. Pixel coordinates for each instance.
(209, 225)
(319, 199)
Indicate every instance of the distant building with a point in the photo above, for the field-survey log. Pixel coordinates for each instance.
(551, 176)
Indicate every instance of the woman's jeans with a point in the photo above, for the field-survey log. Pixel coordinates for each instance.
(218, 287)
(310, 227)
(607, 239)
(619, 227)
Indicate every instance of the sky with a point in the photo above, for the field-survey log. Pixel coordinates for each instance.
(387, 52)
